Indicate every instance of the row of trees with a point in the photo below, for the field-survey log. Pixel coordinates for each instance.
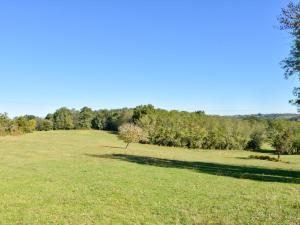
(67, 119)
(196, 130)
(86, 118)
(168, 128)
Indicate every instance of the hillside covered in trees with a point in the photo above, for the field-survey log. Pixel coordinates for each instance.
(285, 116)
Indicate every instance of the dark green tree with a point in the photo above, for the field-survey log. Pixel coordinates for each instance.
(284, 136)
(290, 21)
(117, 118)
(85, 118)
(63, 119)
(49, 117)
(99, 121)
(142, 110)
(44, 125)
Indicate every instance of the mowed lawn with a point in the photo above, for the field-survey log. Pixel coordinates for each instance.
(84, 177)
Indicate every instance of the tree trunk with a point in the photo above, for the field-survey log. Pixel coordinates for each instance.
(127, 146)
(278, 154)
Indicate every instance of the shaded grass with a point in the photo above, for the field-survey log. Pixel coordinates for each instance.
(51, 178)
(241, 172)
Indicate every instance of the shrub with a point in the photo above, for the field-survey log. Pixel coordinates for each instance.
(25, 125)
(256, 141)
(264, 157)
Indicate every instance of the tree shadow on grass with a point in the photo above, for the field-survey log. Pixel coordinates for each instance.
(109, 146)
(241, 172)
(251, 159)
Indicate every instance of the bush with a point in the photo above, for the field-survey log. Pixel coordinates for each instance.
(264, 157)
(25, 125)
(257, 139)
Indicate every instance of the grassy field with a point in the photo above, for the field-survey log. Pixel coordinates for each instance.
(84, 177)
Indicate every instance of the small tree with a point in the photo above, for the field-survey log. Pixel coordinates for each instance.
(283, 135)
(130, 133)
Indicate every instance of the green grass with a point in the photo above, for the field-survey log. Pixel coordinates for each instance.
(84, 177)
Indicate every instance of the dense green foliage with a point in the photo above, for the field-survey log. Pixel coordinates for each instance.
(85, 118)
(6, 125)
(23, 124)
(284, 136)
(170, 128)
(116, 118)
(111, 119)
(100, 119)
(196, 130)
(44, 124)
(63, 119)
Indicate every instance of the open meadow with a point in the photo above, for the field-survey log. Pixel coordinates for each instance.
(86, 177)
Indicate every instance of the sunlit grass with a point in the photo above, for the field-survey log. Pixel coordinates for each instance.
(86, 177)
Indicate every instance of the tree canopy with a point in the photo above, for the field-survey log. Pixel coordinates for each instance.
(290, 21)
(168, 128)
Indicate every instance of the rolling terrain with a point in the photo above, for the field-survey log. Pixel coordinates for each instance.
(86, 177)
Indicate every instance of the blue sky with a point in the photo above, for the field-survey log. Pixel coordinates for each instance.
(218, 56)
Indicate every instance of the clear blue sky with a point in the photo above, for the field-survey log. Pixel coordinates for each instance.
(218, 56)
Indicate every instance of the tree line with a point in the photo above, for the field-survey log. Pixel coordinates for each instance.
(194, 130)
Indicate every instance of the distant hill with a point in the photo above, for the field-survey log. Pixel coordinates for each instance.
(287, 116)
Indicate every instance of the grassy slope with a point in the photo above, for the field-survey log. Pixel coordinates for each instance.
(82, 177)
